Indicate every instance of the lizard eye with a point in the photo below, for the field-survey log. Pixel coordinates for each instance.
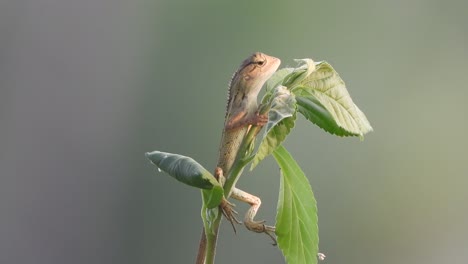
(261, 62)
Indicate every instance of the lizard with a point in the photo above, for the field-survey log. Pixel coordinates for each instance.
(241, 114)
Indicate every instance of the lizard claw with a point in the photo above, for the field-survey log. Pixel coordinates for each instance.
(259, 120)
(260, 227)
(229, 213)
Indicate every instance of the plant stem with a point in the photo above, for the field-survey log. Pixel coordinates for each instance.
(201, 248)
(207, 247)
(211, 239)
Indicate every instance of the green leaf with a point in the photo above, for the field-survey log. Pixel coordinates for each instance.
(315, 112)
(273, 140)
(324, 90)
(305, 68)
(283, 105)
(296, 219)
(281, 120)
(209, 216)
(184, 169)
(212, 198)
(276, 79)
(190, 172)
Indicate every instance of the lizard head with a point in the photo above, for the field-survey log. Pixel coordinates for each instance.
(257, 68)
(248, 80)
(255, 71)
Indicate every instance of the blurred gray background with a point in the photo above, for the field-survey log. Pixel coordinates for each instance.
(86, 87)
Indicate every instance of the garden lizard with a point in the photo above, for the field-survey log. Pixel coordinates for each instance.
(241, 114)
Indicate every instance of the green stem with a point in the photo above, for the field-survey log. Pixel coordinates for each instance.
(211, 239)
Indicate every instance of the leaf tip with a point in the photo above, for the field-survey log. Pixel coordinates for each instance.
(254, 164)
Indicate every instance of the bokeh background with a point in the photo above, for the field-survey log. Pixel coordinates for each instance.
(86, 87)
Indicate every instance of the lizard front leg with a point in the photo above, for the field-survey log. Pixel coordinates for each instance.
(241, 119)
(249, 222)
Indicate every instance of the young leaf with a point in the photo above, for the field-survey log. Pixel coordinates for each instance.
(276, 79)
(273, 139)
(329, 90)
(281, 120)
(273, 82)
(209, 215)
(283, 105)
(299, 73)
(296, 219)
(190, 172)
(212, 198)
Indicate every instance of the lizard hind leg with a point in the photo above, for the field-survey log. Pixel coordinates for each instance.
(250, 224)
(226, 207)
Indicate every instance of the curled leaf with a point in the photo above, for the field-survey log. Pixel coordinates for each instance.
(305, 68)
(281, 120)
(272, 83)
(190, 172)
(184, 169)
(209, 215)
(282, 106)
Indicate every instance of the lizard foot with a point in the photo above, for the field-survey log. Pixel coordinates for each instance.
(229, 213)
(259, 120)
(260, 227)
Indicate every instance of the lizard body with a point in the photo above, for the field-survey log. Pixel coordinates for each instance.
(241, 114)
